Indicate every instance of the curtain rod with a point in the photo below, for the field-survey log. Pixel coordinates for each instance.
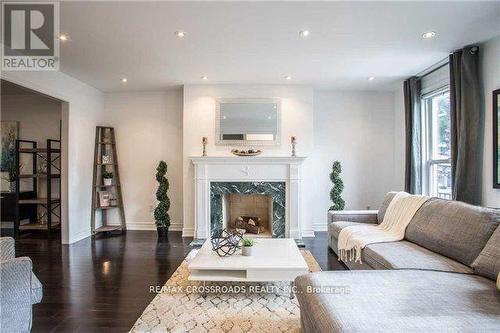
(431, 69)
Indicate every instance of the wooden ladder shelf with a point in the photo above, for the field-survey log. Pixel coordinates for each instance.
(105, 146)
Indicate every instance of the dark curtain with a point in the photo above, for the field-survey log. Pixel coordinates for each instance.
(466, 125)
(413, 125)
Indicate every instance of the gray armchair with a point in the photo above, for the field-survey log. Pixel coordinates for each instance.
(19, 289)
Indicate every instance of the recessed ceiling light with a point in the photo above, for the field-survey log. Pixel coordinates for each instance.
(288, 77)
(180, 33)
(63, 37)
(371, 78)
(304, 33)
(224, 117)
(124, 80)
(204, 77)
(428, 34)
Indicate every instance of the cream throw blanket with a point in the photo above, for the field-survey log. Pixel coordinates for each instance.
(353, 239)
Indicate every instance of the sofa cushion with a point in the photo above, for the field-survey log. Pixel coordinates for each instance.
(335, 227)
(488, 262)
(383, 208)
(36, 290)
(452, 228)
(399, 301)
(404, 254)
(397, 255)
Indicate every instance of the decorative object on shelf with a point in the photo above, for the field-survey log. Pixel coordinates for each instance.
(294, 142)
(247, 246)
(41, 216)
(113, 201)
(204, 141)
(104, 199)
(226, 242)
(249, 152)
(338, 187)
(106, 159)
(9, 133)
(161, 215)
(42, 166)
(105, 145)
(107, 178)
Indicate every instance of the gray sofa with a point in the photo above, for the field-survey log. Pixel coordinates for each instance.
(441, 277)
(19, 289)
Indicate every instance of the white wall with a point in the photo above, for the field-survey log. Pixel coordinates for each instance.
(39, 119)
(148, 129)
(199, 120)
(357, 129)
(490, 70)
(83, 111)
(38, 116)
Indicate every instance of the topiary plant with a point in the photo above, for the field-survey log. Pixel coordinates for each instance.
(338, 187)
(161, 211)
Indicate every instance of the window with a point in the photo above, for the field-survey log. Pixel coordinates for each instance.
(437, 151)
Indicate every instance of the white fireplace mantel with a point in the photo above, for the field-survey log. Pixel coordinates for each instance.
(248, 169)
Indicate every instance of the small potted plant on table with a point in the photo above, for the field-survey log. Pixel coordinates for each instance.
(107, 178)
(247, 248)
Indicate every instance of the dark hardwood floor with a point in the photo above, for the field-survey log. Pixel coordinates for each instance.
(103, 284)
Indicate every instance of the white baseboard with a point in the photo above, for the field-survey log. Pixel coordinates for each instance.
(187, 232)
(78, 236)
(175, 227)
(307, 233)
(140, 226)
(151, 226)
(320, 227)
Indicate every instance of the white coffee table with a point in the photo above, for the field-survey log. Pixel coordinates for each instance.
(273, 259)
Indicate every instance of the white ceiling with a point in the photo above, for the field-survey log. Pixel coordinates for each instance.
(258, 42)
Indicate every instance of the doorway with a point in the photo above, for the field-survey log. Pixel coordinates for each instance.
(33, 163)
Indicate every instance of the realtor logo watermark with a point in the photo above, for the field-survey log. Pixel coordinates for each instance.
(30, 36)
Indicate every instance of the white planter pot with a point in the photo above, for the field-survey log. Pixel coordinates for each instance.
(107, 181)
(247, 250)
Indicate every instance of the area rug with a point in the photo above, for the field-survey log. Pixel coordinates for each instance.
(178, 309)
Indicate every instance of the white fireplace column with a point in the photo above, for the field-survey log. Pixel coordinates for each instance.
(248, 169)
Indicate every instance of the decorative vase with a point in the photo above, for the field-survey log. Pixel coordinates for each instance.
(107, 181)
(247, 251)
(162, 232)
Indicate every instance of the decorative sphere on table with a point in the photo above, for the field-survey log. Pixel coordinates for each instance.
(225, 243)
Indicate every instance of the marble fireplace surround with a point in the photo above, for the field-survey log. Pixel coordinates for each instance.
(277, 191)
(258, 170)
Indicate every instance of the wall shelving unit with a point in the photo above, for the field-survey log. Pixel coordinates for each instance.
(50, 219)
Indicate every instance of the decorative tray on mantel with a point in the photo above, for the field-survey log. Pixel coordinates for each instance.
(249, 152)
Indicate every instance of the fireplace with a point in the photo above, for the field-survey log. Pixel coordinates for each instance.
(256, 207)
(216, 178)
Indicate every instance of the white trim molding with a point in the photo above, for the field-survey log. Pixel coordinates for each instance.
(308, 233)
(187, 232)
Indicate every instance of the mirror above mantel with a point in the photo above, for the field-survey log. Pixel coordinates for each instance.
(248, 121)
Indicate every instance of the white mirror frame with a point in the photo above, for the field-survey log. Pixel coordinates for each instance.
(219, 142)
